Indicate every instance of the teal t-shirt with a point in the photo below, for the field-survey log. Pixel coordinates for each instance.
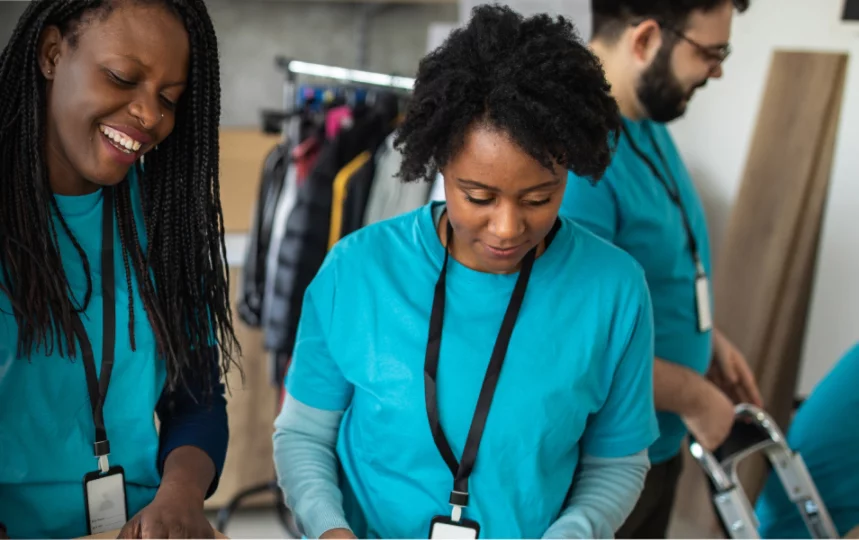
(825, 432)
(577, 377)
(630, 208)
(47, 428)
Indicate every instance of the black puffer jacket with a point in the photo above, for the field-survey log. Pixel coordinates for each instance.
(250, 301)
(305, 243)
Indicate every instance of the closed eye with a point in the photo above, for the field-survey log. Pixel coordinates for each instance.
(168, 103)
(540, 202)
(119, 80)
(481, 202)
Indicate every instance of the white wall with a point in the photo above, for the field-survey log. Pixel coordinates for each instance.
(714, 137)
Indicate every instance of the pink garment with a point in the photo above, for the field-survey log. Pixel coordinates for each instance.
(336, 119)
(305, 155)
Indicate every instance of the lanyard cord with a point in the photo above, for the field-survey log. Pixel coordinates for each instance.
(672, 191)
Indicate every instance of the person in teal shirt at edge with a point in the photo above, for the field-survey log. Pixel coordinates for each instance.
(503, 108)
(656, 54)
(94, 116)
(825, 432)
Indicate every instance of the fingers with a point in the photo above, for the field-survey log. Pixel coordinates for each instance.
(153, 528)
(729, 370)
(179, 530)
(205, 531)
(131, 529)
(750, 387)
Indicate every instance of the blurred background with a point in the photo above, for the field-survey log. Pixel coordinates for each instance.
(279, 88)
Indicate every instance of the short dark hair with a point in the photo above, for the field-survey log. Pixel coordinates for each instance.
(534, 79)
(610, 17)
(184, 283)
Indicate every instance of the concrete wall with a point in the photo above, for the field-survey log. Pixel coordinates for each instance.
(252, 32)
(9, 13)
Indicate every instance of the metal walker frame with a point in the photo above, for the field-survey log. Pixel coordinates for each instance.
(754, 432)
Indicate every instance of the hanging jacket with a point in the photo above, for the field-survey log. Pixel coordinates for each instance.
(351, 188)
(389, 196)
(253, 280)
(305, 242)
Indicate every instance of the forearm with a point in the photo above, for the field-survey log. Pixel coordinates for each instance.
(306, 462)
(604, 493)
(676, 388)
(191, 469)
(189, 420)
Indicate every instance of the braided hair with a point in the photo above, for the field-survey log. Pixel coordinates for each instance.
(184, 282)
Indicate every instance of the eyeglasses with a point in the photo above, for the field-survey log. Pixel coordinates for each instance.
(713, 53)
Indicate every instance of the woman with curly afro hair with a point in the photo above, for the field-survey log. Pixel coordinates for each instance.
(480, 366)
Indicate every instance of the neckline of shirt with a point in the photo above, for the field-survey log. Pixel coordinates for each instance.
(545, 266)
(78, 205)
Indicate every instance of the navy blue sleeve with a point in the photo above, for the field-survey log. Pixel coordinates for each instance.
(187, 420)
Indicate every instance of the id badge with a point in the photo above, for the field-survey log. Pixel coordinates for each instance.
(105, 500)
(443, 527)
(702, 302)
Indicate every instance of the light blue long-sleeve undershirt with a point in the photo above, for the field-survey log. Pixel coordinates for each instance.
(604, 491)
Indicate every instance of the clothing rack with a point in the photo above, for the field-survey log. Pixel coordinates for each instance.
(384, 94)
(293, 68)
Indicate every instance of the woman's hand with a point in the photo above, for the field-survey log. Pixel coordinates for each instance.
(337, 534)
(176, 512)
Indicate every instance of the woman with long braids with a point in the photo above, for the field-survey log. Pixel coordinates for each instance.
(114, 302)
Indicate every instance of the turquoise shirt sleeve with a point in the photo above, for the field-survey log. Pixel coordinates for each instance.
(314, 376)
(604, 493)
(825, 432)
(594, 207)
(626, 423)
(305, 460)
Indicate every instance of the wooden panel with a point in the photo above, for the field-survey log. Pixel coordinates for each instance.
(243, 152)
(251, 406)
(763, 279)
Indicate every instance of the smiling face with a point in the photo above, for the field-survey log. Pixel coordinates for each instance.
(112, 95)
(686, 63)
(501, 202)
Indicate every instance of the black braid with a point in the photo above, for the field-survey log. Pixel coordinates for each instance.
(182, 271)
(120, 210)
(78, 248)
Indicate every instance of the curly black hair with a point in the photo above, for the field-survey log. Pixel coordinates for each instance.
(610, 17)
(533, 79)
(184, 283)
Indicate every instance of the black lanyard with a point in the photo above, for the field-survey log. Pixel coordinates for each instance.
(97, 386)
(462, 470)
(673, 193)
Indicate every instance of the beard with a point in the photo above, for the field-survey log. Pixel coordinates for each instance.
(659, 91)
